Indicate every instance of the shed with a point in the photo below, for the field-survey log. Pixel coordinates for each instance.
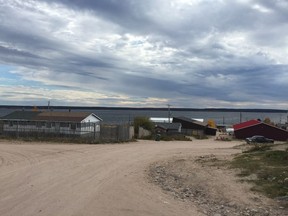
(194, 127)
(256, 127)
(169, 128)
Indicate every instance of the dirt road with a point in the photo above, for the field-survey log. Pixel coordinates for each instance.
(51, 179)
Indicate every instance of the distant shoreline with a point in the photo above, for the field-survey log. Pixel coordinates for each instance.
(143, 108)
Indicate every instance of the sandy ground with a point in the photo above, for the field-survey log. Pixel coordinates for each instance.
(62, 179)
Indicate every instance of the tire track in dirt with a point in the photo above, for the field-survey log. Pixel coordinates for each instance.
(91, 179)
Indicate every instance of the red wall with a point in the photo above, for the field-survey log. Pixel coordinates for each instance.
(264, 130)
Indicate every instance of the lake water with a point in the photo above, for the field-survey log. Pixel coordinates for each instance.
(225, 117)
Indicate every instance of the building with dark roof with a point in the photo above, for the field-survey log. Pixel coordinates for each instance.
(193, 127)
(168, 128)
(71, 123)
(256, 127)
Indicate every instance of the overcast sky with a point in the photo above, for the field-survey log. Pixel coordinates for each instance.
(144, 53)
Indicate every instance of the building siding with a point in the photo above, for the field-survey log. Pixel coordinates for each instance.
(67, 123)
(263, 130)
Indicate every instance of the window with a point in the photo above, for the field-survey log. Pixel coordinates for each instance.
(23, 123)
(30, 123)
(40, 124)
(63, 124)
(48, 124)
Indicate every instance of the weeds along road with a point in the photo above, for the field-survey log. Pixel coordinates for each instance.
(57, 179)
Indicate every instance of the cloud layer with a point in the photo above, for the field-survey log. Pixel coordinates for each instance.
(188, 53)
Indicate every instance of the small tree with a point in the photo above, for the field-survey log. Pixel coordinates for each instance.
(211, 123)
(267, 120)
(144, 122)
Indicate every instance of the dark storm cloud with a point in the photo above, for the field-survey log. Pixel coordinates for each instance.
(128, 13)
(169, 50)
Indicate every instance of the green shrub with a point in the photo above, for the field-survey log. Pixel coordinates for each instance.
(144, 122)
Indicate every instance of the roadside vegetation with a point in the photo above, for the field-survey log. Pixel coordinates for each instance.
(175, 137)
(147, 124)
(144, 122)
(51, 139)
(266, 166)
(60, 140)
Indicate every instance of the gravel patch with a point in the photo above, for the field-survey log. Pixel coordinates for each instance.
(215, 190)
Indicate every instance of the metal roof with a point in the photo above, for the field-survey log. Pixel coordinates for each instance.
(64, 116)
(169, 126)
(246, 124)
(182, 118)
(21, 115)
(160, 119)
(49, 116)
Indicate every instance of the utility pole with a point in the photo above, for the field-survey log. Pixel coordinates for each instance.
(169, 113)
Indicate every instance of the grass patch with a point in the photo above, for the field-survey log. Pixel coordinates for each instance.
(174, 138)
(166, 137)
(258, 147)
(61, 140)
(270, 167)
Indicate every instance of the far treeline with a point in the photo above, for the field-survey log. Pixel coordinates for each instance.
(143, 108)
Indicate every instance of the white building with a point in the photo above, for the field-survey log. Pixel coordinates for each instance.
(70, 123)
(166, 120)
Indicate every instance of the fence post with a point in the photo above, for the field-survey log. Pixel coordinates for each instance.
(17, 130)
(118, 133)
(94, 131)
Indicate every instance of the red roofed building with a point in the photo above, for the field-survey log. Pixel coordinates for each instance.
(256, 127)
(246, 124)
